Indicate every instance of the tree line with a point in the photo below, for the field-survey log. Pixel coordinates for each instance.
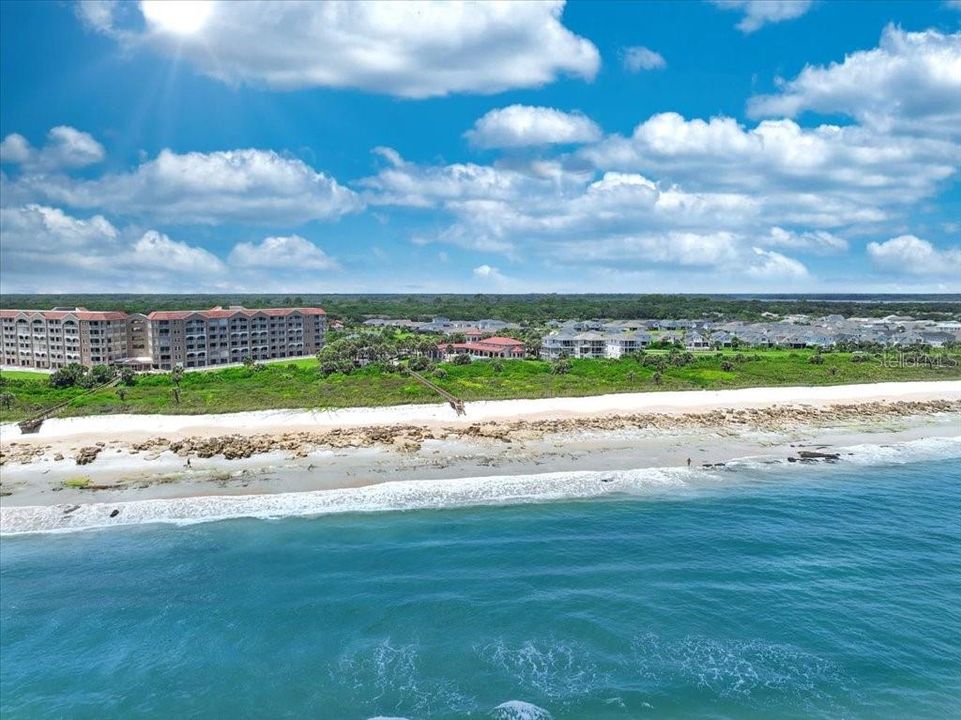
(528, 309)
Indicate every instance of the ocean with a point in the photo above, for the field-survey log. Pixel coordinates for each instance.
(823, 591)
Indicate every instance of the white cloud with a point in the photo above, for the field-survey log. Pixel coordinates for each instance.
(46, 249)
(524, 125)
(911, 255)
(486, 271)
(758, 13)
(699, 194)
(15, 149)
(45, 229)
(639, 58)
(98, 14)
(156, 251)
(405, 183)
(770, 264)
(282, 253)
(850, 169)
(66, 147)
(818, 241)
(685, 249)
(257, 186)
(404, 48)
(912, 81)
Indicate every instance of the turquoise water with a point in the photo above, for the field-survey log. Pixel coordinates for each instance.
(822, 592)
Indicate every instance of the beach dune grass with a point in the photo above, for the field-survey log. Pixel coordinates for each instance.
(298, 384)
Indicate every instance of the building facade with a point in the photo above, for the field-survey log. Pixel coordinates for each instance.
(51, 339)
(222, 336)
(492, 347)
(592, 344)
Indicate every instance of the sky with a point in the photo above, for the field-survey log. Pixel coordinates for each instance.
(702, 146)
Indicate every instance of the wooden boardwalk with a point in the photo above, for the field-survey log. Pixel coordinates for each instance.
(452, 400)
(32, 424)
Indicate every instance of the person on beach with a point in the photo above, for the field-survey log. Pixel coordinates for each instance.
(689, 462)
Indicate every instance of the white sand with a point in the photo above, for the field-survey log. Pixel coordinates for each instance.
(125, 426)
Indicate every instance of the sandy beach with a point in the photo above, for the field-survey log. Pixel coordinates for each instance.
(108, 463)
(268, 421)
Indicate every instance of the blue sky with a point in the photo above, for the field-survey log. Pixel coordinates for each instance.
(751, 145)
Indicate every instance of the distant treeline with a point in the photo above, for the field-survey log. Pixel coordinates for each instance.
(524, 308)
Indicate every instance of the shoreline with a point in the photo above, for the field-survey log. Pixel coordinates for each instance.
(463, 491)
(58, 476)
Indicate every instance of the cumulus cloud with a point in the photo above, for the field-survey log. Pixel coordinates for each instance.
(45, 248)
(622, 220)
(908, 254)
(640, 58)
(257, 186)
(15, 149)
(818, 241)
(284, 253)
(911, 81)
(855, 171)
(403, 48)
(771, 264)
(487, 272)
(758, 13)
(687, 249)
(47, 229)
(66, 147)
(524, 125)
(98, 15)
(748, 201)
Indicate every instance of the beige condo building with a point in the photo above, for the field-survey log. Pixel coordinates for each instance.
(50, 339)
(222, 336)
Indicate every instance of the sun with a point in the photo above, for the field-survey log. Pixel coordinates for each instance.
(180, 17)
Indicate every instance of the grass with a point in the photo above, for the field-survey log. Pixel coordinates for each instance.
(297, 384)
(77, 483)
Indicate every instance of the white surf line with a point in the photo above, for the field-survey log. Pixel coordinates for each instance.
(434, 494)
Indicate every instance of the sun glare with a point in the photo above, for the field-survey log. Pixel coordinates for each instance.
(181, 17)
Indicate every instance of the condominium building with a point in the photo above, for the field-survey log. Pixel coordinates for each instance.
(50, 339)
(592, 344)
(221, 336)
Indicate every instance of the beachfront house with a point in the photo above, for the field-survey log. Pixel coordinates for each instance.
(492, 347)
(558, 344)
(625, 343)
(696, 341)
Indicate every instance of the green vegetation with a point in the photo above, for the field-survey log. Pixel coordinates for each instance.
(76, 375)
(77, 483)
(527, 309)
(300, 384)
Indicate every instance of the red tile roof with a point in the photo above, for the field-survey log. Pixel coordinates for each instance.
(61, 314)
(159, 314)
(215, 313)
(502, 341)
(515, 347)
